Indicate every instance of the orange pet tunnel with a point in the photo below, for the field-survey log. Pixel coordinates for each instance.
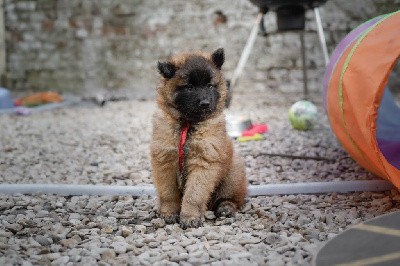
(361, 109)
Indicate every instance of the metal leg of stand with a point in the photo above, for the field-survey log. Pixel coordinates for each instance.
(321, 35)
(263, 31)
(303, 60)
(246, 50)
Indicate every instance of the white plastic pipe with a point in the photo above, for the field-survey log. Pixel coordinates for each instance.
(254, 190)
(74, 190)
(320, 187)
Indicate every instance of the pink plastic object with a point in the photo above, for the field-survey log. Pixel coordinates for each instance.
(21, 110)
(255, 129)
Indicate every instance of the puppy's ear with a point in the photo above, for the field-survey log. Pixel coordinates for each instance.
(166, 69)
(218, 57)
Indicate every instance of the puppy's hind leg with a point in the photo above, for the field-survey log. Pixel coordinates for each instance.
(231, 194)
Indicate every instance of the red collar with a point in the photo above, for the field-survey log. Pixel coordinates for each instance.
(182, 140)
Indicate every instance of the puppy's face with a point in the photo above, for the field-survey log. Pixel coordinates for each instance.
(195, 84)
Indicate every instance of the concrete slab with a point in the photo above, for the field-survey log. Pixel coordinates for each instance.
(375, 242)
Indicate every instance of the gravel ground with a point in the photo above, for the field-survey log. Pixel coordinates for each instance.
(110, 145)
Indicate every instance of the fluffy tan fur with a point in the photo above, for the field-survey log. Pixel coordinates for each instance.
(214, 176)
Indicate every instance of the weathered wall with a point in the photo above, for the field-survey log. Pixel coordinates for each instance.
(90, 46)
(2, 41)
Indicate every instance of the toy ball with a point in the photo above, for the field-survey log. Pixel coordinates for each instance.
(303, 115)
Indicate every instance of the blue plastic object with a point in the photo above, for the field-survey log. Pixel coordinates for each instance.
(388, 128)
(6, 101)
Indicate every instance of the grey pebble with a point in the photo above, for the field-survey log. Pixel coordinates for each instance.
(212, 235)
(180, 257)
(108, 255)
(44, 241)
(272, 238)
(249, 240)
(42, 214)
(158, 222)
(153, 244)
(209, 215)
(197, 232)
(140, 228)
(60, 261)
(186, 242)
(69, 242)
(119, 247)
(240, 255)
(126, 231)
(53, 256)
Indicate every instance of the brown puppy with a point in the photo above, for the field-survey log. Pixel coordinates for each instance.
(194, 165)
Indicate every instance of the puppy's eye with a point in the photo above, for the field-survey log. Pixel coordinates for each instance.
(210, 86)
(189, 87)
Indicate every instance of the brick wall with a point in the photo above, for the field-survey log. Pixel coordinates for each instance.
(87, 47)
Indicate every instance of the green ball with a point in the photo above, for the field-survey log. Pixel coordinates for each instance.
(303, 115)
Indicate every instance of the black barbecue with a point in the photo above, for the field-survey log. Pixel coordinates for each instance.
(290, 13)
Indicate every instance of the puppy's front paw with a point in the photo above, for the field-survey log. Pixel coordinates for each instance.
(191, 222)
(170, 218)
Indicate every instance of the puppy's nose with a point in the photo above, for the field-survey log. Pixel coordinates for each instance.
(204, 103)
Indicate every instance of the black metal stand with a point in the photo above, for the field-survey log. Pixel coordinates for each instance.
(304, 66)
(288, 21)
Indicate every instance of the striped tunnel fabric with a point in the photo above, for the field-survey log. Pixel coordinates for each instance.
(361, 109)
